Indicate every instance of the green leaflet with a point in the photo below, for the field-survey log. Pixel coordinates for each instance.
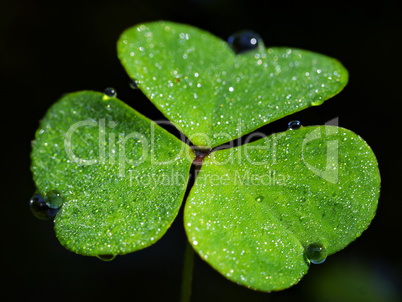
(254, 209)
(214, 96)
(122, 176)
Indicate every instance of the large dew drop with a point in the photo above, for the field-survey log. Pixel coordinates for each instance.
(47, 206)
(110, 92)
(316, 253)
(133, 84)
(294, 125)
(244, 41)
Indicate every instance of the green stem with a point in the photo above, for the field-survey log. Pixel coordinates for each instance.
(188, 261)
(187, 274)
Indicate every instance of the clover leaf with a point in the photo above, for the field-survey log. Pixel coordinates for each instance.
(213, 95)
(259, 213)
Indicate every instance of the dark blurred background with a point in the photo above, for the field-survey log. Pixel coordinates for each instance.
(50, 48)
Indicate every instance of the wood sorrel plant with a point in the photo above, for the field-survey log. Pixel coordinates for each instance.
(258, 213)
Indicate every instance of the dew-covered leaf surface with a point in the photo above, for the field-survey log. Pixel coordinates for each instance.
(121, 176)
(262, 212)
(214, 95)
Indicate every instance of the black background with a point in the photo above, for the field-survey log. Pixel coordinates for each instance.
(50, 48)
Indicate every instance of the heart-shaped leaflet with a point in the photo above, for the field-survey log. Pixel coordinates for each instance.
(122, 177)
(261, 212)
(212, 94)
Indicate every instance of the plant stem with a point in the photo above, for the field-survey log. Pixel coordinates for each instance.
(187, 274)
(188, 261)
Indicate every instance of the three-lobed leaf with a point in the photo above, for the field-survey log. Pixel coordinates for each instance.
(254, 209)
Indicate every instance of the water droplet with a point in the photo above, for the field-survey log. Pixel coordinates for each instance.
(54, 199)
(133, 84)
(316, 253)
(317, 102)
(46, 207)
(259, 198)
(244, 41)
(110, 92)
(294, 125)
(106, 257)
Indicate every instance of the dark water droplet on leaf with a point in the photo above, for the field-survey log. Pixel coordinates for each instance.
(243, 41)
(294, 125)
(43, 209)
(316, 253)
(106, 257)
(111, 92)
(133, 84)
